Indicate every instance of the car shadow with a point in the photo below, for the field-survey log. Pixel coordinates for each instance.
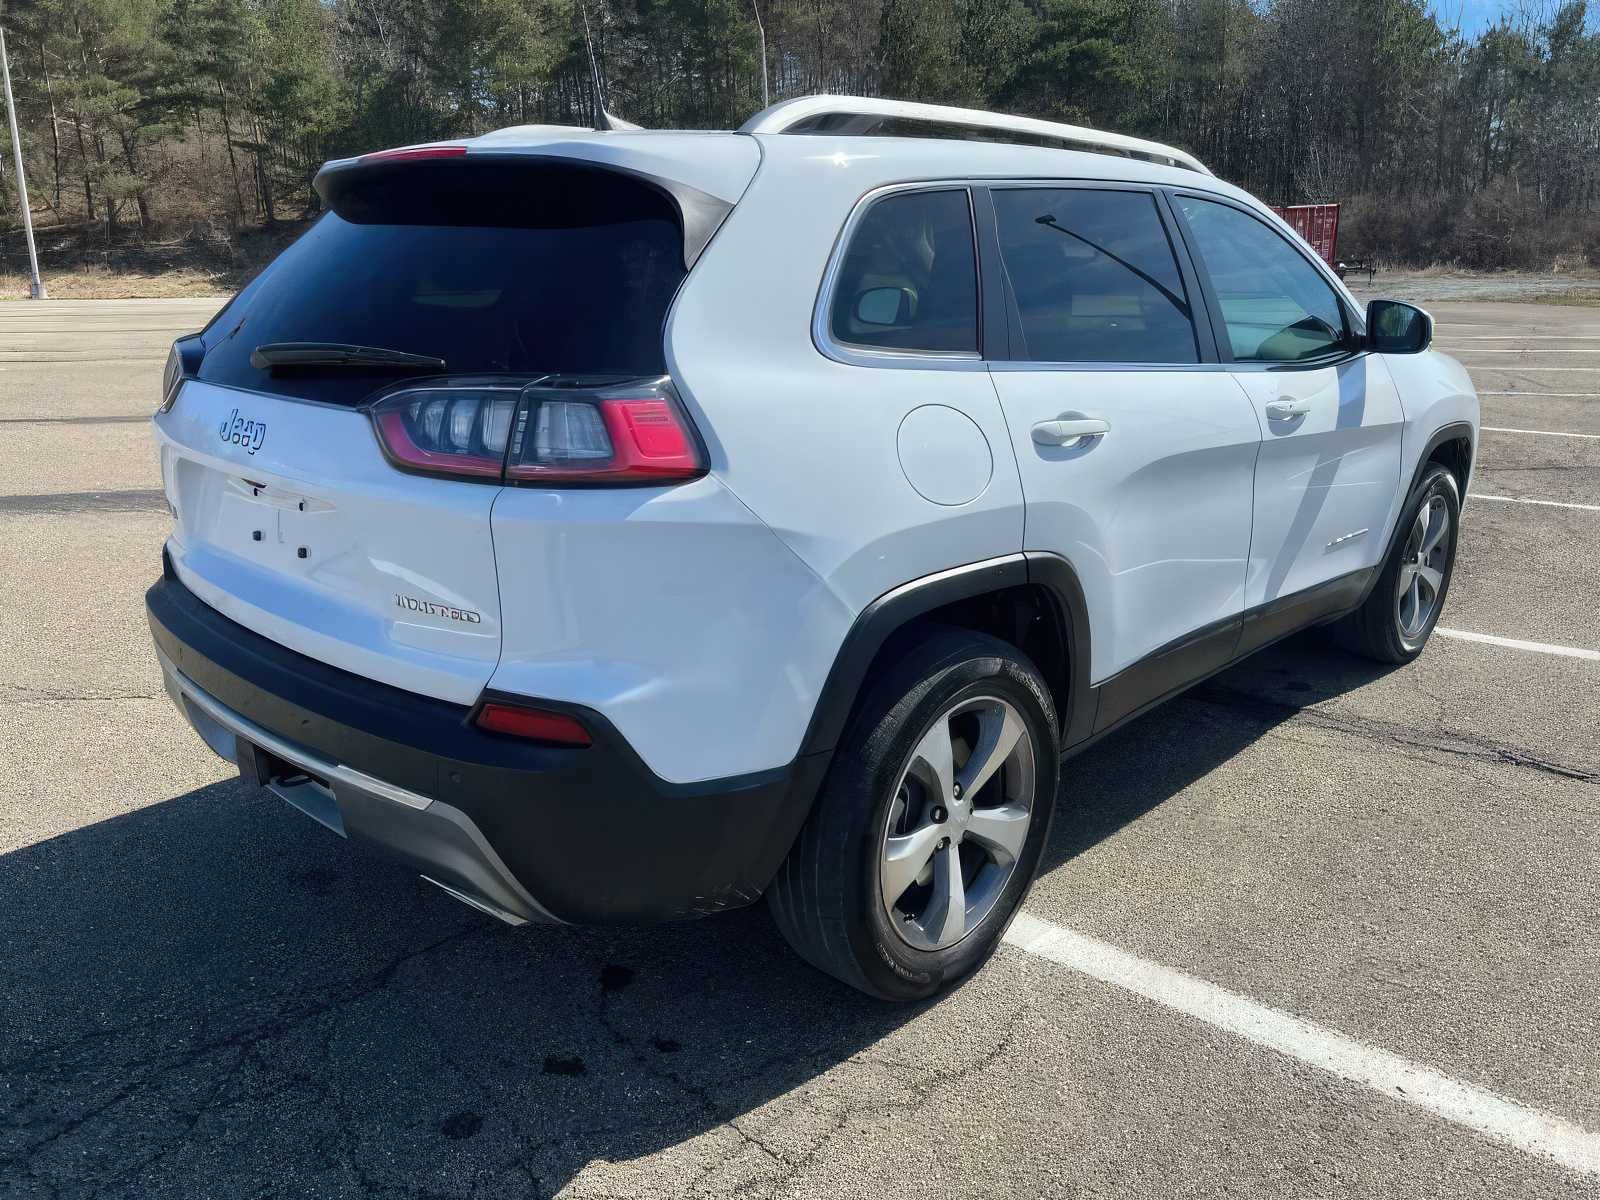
(213, 996)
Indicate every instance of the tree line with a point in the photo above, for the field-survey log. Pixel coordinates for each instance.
(153, 117)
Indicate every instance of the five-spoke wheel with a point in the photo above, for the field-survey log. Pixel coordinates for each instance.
(1394, 621)
(929, 828)
(1422, 566)
(959, 819)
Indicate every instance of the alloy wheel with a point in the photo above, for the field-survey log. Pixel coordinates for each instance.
(960, 817)
(1422, 568)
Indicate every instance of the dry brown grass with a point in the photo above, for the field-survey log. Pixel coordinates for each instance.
(81, 266)
(101, 283)
(1571, 299)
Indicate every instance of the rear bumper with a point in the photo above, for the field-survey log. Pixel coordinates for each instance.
(527, 832)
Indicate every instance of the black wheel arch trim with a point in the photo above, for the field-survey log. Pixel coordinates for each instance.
(1455, 431)
(902, 606)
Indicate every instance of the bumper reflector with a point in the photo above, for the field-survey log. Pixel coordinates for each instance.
(536, 724)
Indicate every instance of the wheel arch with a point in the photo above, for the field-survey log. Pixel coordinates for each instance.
(1033, 601)
(1451, 446)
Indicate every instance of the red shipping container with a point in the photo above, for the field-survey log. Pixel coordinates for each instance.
(1318, 224)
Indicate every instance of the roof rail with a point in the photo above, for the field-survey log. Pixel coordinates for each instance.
(867, 115)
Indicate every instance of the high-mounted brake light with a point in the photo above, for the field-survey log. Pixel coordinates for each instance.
(414, 152)
(536, 724)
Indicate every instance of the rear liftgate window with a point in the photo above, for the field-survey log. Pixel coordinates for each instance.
(498, 268)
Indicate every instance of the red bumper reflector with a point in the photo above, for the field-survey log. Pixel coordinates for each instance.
(536, 724)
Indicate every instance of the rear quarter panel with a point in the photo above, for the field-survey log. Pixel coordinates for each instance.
(810, 444)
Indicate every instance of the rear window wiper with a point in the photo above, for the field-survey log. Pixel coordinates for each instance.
(316, 355)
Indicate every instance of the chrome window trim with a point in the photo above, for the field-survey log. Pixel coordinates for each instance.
(855, 355)
(1021, 364)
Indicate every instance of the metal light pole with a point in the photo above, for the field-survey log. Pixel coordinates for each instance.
(762, 29)
(36, 289)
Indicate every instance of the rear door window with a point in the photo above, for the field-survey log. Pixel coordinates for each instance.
(471, 266)
(909, 279)
(1094, 276)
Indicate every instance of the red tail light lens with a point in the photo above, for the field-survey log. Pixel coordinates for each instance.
(574, 433)
(536, 724)
(634, 434)
(457, 431)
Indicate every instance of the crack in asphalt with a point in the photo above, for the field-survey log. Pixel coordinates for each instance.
(139, 419)
(1444, 742)
(291, 1013)
(22, 694)
(109, 500)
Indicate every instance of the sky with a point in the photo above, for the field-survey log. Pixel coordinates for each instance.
(1477, 15)
(1474, 15)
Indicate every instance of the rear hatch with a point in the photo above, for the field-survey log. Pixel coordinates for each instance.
(504, 271)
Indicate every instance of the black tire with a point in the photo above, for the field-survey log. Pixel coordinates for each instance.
(825, 899)
(1374, 630)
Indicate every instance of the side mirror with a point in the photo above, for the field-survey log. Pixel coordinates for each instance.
(886, 306)
(1396, 328)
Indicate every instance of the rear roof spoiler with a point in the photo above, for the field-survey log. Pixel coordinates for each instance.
(699, 212)
(858, 115)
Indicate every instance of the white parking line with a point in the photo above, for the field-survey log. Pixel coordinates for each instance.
(1526, 337)
(1541, 503)
(1568, 395)
(1530, 350)
(1537, 432)
(1518, 644)
(1504, 1120)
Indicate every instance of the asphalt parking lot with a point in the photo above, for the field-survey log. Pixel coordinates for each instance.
(1314, 929)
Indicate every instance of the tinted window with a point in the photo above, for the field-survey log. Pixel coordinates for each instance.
(1094, 277)
(543, 290)
(909, 280)
(1276, 305)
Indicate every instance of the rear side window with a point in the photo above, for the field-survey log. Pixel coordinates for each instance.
(1277, 307)
(1094, 277)
(495, 269)
(909, 278)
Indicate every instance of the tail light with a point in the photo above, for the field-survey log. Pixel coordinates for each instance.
(455, 431)
(571, 433)
(631, 434)
(535, 724)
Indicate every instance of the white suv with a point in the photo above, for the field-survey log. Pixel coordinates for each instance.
(621, 526)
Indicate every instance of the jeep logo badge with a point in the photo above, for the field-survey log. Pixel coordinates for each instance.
(242, 432)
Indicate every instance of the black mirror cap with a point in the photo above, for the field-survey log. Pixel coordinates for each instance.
(1397, 328)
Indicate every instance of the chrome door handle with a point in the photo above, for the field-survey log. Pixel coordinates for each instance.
(1069, 429)
(1284, 410)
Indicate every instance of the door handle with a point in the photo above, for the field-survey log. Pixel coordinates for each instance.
(1069, 429)
(1287, 410)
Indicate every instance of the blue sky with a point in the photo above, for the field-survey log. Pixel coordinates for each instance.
(1477, 15)
(1474, 15)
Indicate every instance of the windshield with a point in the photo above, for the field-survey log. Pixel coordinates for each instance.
(487, 299)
